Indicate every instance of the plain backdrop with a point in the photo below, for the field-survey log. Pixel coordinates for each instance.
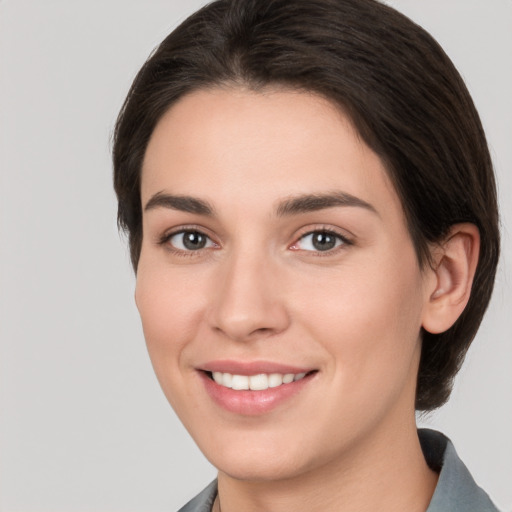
(84, 425)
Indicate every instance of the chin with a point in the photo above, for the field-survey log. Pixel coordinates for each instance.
(258, 462)
(262, 471)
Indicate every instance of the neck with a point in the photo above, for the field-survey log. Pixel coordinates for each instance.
(386, 473)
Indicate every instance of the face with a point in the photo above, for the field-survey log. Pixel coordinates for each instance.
(279, 290)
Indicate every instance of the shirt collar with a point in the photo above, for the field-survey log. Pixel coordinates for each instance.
(456, 491)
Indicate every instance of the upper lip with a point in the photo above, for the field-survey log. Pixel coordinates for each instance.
(251, 367)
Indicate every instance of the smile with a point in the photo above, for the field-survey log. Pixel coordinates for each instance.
(254, 388)
(258, 382)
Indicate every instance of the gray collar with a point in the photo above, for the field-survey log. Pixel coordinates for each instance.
(203, 502)
(456, 490)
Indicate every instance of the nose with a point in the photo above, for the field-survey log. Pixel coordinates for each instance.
(249, 301)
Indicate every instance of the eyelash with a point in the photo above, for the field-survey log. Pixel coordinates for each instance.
(165, 240)
(343, 241)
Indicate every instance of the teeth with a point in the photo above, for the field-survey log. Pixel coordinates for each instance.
(227, 379)
(240, 382)
(274, 380)
(258, 382)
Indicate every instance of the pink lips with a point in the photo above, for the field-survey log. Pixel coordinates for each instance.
(248, 402)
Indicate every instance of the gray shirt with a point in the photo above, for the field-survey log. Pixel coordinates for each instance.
(456, 490)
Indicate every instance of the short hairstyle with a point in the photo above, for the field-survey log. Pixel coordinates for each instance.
(393, 80)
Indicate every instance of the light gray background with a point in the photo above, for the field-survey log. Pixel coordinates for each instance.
(84, 425)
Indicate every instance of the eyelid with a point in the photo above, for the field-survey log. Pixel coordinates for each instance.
(345, 240)
(167, 235)
(310, 230)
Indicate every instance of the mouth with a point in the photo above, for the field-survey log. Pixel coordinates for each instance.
(252, 389)
(257, 382)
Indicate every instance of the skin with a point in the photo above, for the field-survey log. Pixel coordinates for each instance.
(259, 290)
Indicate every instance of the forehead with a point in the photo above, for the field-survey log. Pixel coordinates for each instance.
(245, 144)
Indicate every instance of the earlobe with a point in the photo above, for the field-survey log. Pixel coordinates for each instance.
(455, 262)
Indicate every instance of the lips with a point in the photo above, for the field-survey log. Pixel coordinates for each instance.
(253, 388)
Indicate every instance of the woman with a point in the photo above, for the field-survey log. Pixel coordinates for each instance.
(312, 218)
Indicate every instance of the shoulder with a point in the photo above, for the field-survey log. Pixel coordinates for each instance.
(456, 489)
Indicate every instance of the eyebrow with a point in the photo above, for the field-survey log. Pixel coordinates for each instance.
(182, 203)
(314, 202)
(295, 205)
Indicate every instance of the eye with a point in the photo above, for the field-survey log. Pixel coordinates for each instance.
(320, 241)
(190, 240)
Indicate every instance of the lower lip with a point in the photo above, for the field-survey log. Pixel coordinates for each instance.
(252, 403)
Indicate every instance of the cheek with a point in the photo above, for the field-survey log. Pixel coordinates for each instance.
(369, 319)
(169, 308)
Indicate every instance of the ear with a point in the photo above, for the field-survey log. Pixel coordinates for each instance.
(452, 273)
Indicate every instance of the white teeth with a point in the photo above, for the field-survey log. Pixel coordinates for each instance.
(274, 380)
(257, 382)
(240, 382)
(227, 380)
(217, 377)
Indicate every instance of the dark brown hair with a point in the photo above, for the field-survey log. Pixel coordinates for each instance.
(394, 81)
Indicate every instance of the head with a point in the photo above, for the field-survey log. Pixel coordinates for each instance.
(399, 90)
